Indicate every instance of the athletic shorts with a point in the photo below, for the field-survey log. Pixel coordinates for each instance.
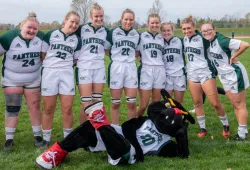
(178, 83)
(152, 77)
(201, 76)
(57, 81)
(28, 85)
(87, 76)
(235, 81)
(122, 75)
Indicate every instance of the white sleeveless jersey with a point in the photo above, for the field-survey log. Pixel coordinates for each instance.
(60, 50)
(197, 52)
(173, 57)
(151, 49)
(92, 50)
(21, 61)
(221, 49)
(149, 138)
(122, 44)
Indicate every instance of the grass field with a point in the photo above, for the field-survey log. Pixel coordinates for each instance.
(212, 152)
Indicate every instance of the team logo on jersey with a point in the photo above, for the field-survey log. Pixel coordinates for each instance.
(136, 83)
(18, 46)
(183, 86)
(83, 78)
(159, 38)
(146, 36)
(119, 33)
(233, 88)
(143, 83)
(195, 39)
(87, 30)
(57, 36)
(185, 39)
(71, 40)
(100, 31)
(174, 42)
(132, 33)
(72, 90)
(214, 44)
(35, 43)
(44, 89)
(114, 82)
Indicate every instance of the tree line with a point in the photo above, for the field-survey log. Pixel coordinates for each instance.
(83, 8)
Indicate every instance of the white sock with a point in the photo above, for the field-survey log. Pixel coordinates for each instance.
(66, 132)
(201, 121)
(37, 130)
(9, 132)
(242, 131)
(47, 134)
(223, 120)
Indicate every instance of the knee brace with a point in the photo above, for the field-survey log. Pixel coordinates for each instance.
(130, 99)
(97, 96)
(115, 101)
(13, 104)
(86, 99)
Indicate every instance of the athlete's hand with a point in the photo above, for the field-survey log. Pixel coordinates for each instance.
(233, 60)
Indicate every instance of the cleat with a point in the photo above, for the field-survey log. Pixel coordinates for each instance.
(38, 141)
(238, 138)
(45, 144)
(202, 133)
(8, 145)
(52, 157)
(225, 131)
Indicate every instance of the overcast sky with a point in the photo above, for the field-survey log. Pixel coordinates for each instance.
(14, 11)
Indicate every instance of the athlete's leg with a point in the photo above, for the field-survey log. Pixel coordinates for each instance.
(13, 98)
(85, 93)
(170, 92)
(239, 104)
(49, 103)
(131, 101)
(115, 106)
(144, 101)
(179, 96)
(156, 95)
(67, 115)
(97, 91)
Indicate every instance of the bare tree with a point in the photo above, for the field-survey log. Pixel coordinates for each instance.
(83, 8)
(107, 21)
(158, 8)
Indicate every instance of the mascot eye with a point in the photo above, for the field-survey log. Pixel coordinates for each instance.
(166, 117)
(172, 122)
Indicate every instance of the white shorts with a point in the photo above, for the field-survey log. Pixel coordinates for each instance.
(122, 75)
(201, 76)
(87, 76)
(152, 77)
(235, 81)
(57, 81)
(30, 85)
(178, 83)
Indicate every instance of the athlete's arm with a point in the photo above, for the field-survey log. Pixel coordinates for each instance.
(42, 56)
(243, 47)
(138, 55)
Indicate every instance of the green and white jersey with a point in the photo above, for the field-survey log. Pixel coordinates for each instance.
(92, 50)
(21, 61)
(221, 49)
(149, 138)
(61, 50)
(151, 49)
(197, 51)
(173, 57)
(122, 44)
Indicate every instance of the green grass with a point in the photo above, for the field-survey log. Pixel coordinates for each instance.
(206, 153)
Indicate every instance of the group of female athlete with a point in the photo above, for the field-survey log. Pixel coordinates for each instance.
(162, 65)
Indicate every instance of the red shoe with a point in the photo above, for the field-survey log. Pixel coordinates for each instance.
(225, 131)
(96, 114)
(52, 157)
(202, 133)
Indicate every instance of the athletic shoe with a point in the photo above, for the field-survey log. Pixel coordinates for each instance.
(52, 157)
(238, 138)
(8, 145)
(45, 144)
(225, 131)
(202, 133)
(38, 141)
(192, 111)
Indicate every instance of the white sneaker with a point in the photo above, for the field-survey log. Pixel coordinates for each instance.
(192, 111)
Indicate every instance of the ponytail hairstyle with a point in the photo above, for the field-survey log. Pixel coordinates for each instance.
(95, 6)
(31, 17)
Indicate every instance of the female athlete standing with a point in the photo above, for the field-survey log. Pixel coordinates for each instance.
(232, 73)
(201, 76)
(21, 75)
(151, 71)
(123, 41)
(60, 48)
(90, 71)
(174, 63)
